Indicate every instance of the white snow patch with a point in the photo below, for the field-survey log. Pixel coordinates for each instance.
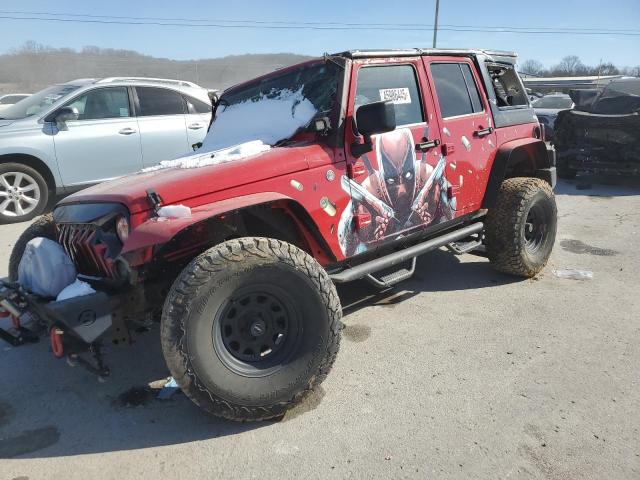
(198, 160)
(76, 289)
(174, 211)
(267, 119)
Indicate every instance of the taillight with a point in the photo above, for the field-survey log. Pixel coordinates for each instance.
(539, 131)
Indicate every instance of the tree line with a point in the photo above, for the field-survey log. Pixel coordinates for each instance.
(572, 66)
(33, 66)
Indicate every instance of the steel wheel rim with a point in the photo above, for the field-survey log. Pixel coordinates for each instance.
(535, 228)
(256, 330)
(19, 194)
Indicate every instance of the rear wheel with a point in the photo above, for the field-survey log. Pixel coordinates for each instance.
(521, 228)
(250, 327)
(23, 193)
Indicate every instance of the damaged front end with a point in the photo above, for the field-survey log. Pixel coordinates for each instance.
(601, 135)
(92, 236)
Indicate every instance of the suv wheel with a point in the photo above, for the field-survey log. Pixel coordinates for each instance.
(250, 327)
(23, 193)
(521, 227)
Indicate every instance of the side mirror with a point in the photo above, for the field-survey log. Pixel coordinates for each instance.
(64, 115)
(214, 96)
(371, 119)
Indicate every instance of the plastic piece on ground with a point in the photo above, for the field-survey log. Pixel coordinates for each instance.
(56, 343)
(574, 274)
(169, 389)
(174, 211)
(76, 289)
(45, 268)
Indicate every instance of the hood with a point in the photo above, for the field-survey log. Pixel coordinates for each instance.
(4, 123)
(191, 185)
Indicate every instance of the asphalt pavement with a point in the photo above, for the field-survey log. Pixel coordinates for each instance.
(460, 372)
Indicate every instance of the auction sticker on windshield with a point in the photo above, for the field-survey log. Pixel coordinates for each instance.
(396, 95)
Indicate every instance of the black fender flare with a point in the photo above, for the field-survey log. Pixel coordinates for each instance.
(525, 157)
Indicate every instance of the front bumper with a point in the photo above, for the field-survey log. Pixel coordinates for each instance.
(82, 321)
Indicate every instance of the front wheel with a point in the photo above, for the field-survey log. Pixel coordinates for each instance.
(250, 327)
(521, 227)
(23, 193)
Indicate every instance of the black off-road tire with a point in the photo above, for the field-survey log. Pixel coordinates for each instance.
(32, 178)
(521, 228)
(41, 227)
(198, 330)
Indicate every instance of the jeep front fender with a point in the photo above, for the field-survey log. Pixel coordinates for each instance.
(158, 231)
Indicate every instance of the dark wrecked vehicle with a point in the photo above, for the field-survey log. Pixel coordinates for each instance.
(602, 133)
(342, 168)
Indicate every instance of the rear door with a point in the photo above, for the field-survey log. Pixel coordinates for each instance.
(391, 186)
(161, 119)
(467, 130)
(103, 142)
(198, 119)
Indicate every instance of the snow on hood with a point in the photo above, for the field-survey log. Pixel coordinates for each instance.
(263, 120)
(267, 119)
(200, 159)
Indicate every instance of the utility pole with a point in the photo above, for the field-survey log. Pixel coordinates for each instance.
(435, 24)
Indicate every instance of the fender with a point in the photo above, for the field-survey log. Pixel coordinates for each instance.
(522, 157)
(157, 231)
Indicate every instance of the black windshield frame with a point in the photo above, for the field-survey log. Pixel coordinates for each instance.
(326, 91)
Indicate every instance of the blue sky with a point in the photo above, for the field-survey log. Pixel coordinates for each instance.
(192, 43)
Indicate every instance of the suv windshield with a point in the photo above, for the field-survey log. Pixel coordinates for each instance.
(274, 108)
(553, 102)
(37, 102)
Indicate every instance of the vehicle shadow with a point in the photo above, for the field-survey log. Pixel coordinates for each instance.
(53, 410)
(436, 271)
(604, 186)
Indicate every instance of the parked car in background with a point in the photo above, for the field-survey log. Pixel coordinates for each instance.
(547, 109)
(602, 133)
(69, 136)
(12, 98)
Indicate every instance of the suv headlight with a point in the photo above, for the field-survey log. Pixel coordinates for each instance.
(122, 228)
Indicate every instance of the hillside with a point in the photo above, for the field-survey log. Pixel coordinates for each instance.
(34, 67)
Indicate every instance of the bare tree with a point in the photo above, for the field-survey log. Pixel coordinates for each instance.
(532, 67)
(569, 65)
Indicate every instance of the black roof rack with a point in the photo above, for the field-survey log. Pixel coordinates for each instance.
(411, 52)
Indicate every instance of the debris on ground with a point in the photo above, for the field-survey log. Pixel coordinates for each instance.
(169, 390)
(574, 274)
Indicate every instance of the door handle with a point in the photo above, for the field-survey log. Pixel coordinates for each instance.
(483, 132)
(427, 144)
(195, 126)
(127, 131)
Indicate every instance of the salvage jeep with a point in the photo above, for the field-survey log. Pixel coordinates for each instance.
(342, 168)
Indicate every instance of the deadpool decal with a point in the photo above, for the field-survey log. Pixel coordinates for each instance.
(402, 193)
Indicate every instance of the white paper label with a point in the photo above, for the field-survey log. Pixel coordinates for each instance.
(396, 95)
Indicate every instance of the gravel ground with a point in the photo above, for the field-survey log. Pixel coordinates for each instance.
(459, 372)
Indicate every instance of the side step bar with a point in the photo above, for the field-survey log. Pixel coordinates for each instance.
(364, 269)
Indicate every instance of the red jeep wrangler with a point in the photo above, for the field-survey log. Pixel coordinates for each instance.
(337, 169)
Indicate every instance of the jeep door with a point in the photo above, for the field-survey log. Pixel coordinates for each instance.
(161, 119)
(386, 183)
(467, 130)
(103, 142)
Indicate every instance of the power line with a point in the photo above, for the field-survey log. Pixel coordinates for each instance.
(296, 23)
(403, 27)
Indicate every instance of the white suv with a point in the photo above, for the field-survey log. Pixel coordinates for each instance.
(79, 133)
